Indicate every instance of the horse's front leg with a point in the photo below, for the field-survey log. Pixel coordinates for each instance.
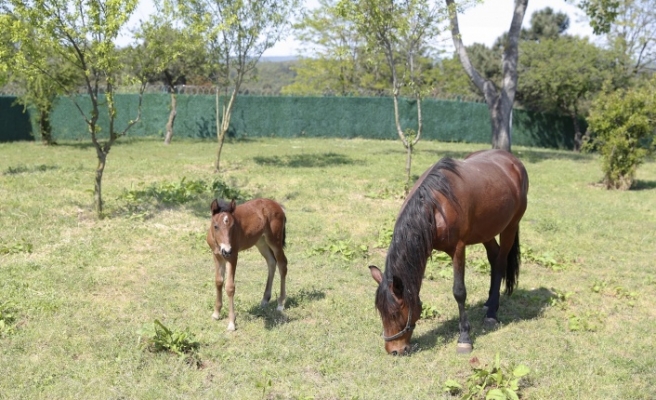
(231, 266)
(219, 275)
(460, 293)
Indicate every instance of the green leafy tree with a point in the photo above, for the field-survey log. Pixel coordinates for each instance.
(237, 32)
(400, 31)
(630, 29)
(168, 55)
(41, 74)
(499, 99)
(336, 53)
(622, 125)
(83, 34)
(561, 75)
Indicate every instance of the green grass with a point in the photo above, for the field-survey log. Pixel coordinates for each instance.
(77, 291)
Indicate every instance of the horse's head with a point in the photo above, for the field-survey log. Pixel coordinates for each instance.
(398, 316)
(221, 229)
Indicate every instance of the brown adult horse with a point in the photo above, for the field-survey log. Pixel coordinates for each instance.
(259, 223)
(453, 204)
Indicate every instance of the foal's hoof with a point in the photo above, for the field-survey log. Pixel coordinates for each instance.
(490, 324)
(280, 308)
(231, 327)
(263, 303)
(464, 348)
(215, 315)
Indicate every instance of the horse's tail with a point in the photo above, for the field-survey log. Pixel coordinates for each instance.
(284, 229)
(512, 268)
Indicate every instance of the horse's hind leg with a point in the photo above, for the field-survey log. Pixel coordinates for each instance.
(267, 253)
(460, 294)
(499, 267)
(492, 249)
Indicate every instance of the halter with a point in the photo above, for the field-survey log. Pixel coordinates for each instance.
(408, 328)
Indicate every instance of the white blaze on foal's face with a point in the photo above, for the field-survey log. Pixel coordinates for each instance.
(223, 224)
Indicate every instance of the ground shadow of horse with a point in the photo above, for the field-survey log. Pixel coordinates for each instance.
(273, 318)
(523, 305)
(306, 160)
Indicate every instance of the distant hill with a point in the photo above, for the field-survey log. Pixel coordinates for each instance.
(272, 74)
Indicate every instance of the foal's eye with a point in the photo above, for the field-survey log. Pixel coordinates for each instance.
(216, 227)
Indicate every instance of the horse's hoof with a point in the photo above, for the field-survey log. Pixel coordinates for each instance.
(464, 348)
(231, 327)
(280, 308)
(490, 323)
(215, 315)
(263, 303)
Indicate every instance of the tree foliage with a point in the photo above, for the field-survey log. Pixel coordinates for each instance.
(81, 33)
(236, 32)
(561, 75)
(623, 123)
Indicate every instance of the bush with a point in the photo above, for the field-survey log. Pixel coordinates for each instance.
(622, 124)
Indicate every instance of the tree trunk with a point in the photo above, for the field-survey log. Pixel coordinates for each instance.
(578, 136)
(171, 121)
(408, 165)
(223, 124)
(97, 193)
(45, 127)
(499, 102)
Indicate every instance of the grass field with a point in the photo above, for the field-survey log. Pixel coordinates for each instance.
(78, 295)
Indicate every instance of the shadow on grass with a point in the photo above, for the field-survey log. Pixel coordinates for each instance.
(273, 318)
(306, 160)
(523, 305)
(23, 169)
(643, 185)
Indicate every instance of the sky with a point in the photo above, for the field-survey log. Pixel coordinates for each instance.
(480, 24)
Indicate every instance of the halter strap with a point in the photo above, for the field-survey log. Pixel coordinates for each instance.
(408, 328)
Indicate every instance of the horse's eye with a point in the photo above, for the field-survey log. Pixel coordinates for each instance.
(216, 227)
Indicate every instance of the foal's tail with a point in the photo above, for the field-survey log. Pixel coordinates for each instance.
(284, 230)
(512, 268)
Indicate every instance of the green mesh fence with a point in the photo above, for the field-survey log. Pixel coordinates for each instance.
(263, 116)
(14, 123)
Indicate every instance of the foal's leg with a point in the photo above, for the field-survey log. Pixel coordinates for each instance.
(281, 259)
(230, 290)
(266, 252)
(219, 275)
(460, 293)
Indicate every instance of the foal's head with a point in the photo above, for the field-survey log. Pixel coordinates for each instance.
(222, 223)
(399, 317)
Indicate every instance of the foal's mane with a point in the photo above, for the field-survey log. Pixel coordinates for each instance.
(412, 240)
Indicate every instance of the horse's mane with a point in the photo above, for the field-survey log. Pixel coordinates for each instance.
(412, 240)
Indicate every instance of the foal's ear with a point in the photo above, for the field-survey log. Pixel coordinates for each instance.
(232, 205)
(376, 274)
(214, 207)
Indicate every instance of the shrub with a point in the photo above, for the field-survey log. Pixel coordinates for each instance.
(623, 124)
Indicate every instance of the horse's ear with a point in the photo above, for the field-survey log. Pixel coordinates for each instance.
(397, 287)
(214, 207)
(232, 205)
(376, 274)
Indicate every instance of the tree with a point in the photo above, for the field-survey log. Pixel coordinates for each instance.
(237, 32)
(83, 34)
(623, 124)
(41, 73)
(335, 63)
(499, 100)
(168, 55)
(545, 24)
(400, 30)
(559, 75)
(630, 28)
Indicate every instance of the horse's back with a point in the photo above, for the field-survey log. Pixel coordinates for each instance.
(492, 193)
(260, 217)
